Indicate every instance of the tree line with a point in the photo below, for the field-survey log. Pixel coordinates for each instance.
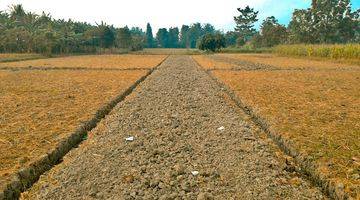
(185, 37)
(27, 32)
(325, 22)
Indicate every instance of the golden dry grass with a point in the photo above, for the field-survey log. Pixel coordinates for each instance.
(343, 52)
(39, 108)
(208, 63)
(5, 57)
(319, 111)
(93, 61)
(289, 63)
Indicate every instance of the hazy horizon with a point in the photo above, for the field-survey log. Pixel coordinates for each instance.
(160, 13)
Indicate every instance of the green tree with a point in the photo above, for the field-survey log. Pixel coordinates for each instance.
(137, 31)
(149, 39)
(272, 33)
(327, 21)
(138, 39)
(22, 31)
(50, 42)
(184, 36)
(123, 38)
(257, 41)
(230, 38)
(173, 37)
(195, 32)
(92, 38)
(162, 37)
(137, 43)
(245, 24)
(212, 42)
(207, 43)
(17, 14)
(107, 36)
(208, 29)
(334, 21)
(220, 41)
(301, 29)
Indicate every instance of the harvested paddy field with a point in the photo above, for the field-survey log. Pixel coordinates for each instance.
(177, 136)
(180, 134)
(7, 57)
(318, 112)
(274, 61)
(92, 61)
(40, 108)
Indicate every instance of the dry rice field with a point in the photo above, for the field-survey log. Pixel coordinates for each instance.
(286, 62)
(92, 61)
(314, 105)
(318, 111)
(266, 61)
(39, 108)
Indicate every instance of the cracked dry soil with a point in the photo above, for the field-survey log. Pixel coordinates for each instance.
(182, 123)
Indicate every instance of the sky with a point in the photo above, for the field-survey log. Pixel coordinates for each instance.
(161, 13)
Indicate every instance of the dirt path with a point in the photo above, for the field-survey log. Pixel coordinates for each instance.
(182, 123)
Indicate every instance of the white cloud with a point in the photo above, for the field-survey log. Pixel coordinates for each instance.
(160, 13)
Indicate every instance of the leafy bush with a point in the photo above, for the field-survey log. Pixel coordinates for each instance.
(212, 42)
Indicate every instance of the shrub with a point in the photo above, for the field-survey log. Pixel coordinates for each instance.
(212, 42)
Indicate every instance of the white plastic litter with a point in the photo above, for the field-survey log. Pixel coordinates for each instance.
(195, 173)
(130, 139)
(221, 128)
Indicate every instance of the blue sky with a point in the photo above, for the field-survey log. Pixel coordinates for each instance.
(162, 13)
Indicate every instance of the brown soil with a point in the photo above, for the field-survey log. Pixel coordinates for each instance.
(189, 143)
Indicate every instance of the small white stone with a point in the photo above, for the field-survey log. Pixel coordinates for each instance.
(130, 139)
(195, 173)
(221, 128)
